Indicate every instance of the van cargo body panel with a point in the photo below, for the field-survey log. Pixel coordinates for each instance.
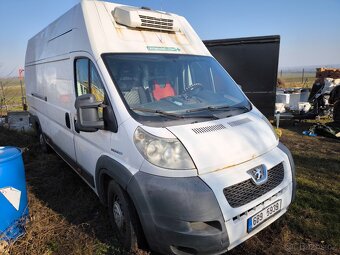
(91, 27)
(241, 139)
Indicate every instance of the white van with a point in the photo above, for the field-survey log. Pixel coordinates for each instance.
(133, 101)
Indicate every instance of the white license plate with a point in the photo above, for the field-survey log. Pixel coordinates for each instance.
(263, 215)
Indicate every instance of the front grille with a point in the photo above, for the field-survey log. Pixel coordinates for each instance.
(245, 192)
(156, 23)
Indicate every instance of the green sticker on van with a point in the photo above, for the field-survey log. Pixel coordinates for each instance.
(159, 48)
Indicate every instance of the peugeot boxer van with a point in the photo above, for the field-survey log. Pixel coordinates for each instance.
(133, 101)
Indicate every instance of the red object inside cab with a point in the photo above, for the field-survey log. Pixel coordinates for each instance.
(160, 92)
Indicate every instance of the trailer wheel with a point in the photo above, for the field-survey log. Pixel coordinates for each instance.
(123, 217)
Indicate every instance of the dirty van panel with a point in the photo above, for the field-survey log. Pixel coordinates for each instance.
(253, 63)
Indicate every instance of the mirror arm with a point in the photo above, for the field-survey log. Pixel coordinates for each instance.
(92, 105)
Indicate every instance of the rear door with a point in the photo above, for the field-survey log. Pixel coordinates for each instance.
(253, 64)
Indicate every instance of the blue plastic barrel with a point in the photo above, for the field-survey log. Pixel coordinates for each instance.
(13, 196)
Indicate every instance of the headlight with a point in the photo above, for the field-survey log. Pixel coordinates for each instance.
(271, 126)
(162, 152)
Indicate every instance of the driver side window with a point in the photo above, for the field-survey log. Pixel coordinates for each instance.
(87, 79)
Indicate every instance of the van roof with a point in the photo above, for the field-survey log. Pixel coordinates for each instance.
(100, 27)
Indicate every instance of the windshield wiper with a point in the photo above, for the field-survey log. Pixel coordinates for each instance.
(173, 115)
(157, 111)
(219, 108)
(226, 107)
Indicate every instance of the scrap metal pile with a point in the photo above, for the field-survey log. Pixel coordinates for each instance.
(322, 100)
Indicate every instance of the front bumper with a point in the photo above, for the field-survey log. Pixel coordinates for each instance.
(236, 218)
(178, 215)
(191, 215)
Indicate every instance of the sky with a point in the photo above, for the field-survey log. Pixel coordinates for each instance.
(309, 29)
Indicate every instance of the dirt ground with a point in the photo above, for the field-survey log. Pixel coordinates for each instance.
(67, 218)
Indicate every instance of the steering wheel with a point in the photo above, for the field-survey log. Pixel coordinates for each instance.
(194, 87)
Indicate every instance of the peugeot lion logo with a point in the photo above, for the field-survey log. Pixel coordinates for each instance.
(258, 174)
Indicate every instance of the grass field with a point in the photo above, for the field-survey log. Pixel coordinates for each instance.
(10, 95)
(295, 79)
(67, 218)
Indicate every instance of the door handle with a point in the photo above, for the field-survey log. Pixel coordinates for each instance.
(67, 120)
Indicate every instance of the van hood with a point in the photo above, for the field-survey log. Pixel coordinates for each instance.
(223, 143)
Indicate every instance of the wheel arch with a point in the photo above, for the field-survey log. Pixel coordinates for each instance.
(34, 120)
(108, 169)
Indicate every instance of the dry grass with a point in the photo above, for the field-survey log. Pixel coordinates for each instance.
(294, 80)
(65, 215)
(67, 218)
(10, 95)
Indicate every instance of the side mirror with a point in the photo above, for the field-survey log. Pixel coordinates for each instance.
(87, 114)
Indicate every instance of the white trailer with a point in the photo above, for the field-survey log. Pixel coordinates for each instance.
(133, 101)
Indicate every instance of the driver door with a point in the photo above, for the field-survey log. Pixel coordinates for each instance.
(89, 146)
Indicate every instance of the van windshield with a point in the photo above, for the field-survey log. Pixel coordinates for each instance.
(175, 86)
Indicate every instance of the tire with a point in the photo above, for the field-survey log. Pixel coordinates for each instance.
(45, 148)
(123, 217)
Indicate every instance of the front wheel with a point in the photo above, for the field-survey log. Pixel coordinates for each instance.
(123, 217)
